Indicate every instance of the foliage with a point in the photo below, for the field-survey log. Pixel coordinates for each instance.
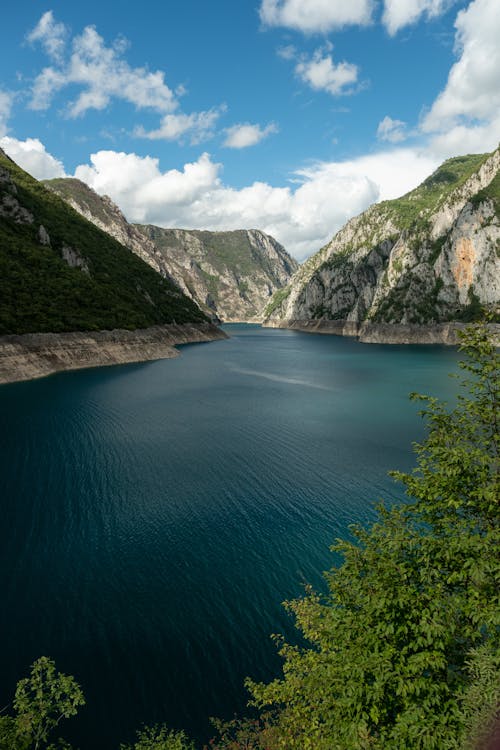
(277, 299)
(490, 192)
(473, 310)
(40, 292)
(41, 701)
(160, 738)
(245, 734)
(411, 620)
(411, 210)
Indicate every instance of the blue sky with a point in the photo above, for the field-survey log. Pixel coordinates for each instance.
(286, 115)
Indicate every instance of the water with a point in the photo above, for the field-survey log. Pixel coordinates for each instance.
(156, 515)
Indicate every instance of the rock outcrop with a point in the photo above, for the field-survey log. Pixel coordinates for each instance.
(429, 257)
(230, 275)
(35, 355)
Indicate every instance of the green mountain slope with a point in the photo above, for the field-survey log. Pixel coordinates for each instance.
(59, 272)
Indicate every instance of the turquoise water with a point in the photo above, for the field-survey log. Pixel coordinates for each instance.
(155, 516)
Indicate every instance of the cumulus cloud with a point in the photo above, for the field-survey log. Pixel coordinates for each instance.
(5, 109)
(472, 92)
(198, 126)
(101, 72)
(322, 74)
(302, 215)
(320, 16)
(466, 139)
(32, 156)
(465, 117)
(244, 135)
(391, 130)
(400, 13)
(140, 188)
(50, 34)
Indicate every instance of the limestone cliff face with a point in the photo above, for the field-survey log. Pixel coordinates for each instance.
(230, 275)
(429, 257)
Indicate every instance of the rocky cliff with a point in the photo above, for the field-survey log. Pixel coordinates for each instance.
(230, 275)
(429, 257)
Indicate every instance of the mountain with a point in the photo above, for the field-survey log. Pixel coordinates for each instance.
(429, 257)
(58, 272)
(230, 275)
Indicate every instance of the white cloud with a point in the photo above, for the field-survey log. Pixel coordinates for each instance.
(50, 34)
(141, 189)
(311, 16)
(400, 13)
(302, 216)
(5, 109)
(32, 156)
(199, 126)
(103, 75)
(322, 74)
(472, 93)
(391, 130)
(288, 52)
(466, 139)
(244, 135)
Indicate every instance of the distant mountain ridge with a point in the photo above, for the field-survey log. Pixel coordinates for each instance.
(429, 257)
(231, 275)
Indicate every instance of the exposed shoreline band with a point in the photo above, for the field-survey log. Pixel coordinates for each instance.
(383, 333)
(35, 355)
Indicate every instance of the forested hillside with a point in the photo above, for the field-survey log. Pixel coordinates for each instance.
(58, 272)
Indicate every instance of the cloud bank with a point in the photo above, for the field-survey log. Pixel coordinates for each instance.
(302, 215)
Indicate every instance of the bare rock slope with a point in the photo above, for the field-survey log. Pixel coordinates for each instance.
(230, 275)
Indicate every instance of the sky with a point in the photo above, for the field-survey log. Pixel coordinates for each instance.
(289, 116)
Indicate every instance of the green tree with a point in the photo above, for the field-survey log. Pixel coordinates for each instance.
(245, 734)
(41, 701)
(160, 738)
(404, 650)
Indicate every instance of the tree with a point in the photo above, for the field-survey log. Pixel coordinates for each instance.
(160, 738)
(41, 701)
(404, 651)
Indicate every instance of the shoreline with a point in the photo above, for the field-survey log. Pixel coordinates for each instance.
(30, 356)
(383, 333)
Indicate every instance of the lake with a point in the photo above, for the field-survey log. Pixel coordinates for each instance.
(156, 515)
